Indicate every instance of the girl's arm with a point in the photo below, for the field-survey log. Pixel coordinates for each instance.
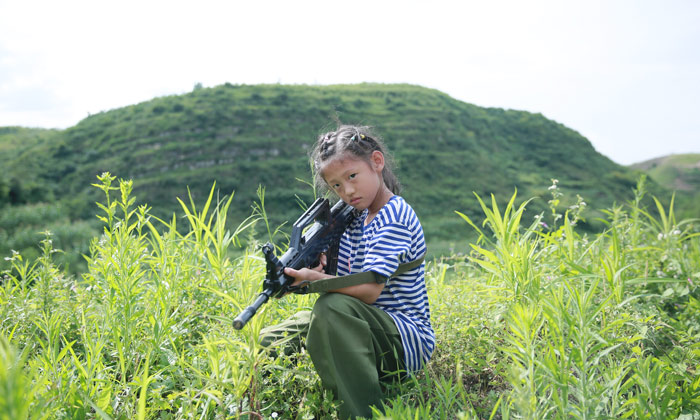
(368, 292)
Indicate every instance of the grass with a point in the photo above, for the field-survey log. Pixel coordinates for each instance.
(533, 320)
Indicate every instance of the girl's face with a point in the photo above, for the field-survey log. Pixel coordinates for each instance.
(357, 182)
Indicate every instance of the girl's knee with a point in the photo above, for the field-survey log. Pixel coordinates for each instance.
(332, 303)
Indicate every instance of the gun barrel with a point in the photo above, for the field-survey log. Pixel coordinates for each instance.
(248, 312)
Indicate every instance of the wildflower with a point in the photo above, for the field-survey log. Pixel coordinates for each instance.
(544, 225)
(274, 415)
(691, 282)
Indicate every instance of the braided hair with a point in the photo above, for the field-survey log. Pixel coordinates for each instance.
(358, 142)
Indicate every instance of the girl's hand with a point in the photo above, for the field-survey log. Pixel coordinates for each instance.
(368, 292)
(308, 274)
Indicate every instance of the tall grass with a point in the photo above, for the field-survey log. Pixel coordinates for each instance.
(534, 320)
(585, 341)
(144, 333)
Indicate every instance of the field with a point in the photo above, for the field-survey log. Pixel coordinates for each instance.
(534, 320)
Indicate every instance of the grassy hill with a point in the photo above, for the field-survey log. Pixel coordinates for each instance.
(678, 172)
(245, 136)
(13, 142)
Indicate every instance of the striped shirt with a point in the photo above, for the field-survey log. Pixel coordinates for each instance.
(394, 237)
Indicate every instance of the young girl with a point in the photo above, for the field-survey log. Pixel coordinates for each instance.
(361, 335)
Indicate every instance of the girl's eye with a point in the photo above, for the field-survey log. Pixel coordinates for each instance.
(352, 176)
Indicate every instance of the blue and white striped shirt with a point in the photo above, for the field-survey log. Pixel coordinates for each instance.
(394, 237)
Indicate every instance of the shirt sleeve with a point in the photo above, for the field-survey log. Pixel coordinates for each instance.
(389, 247)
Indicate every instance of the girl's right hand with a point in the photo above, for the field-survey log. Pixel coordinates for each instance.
(309, 274)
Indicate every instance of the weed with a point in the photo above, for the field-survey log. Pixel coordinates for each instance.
(538, 321)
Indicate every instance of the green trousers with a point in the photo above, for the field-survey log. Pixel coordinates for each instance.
(354, 347)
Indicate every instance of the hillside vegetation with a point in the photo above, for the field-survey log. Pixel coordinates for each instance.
(13, 142)
(246, 136)
(677, 172)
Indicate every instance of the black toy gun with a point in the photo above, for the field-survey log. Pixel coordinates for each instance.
(305, 248)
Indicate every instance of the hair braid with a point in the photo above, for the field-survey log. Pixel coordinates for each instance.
(360, 142)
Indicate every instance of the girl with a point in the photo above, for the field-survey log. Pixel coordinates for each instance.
(360, 335)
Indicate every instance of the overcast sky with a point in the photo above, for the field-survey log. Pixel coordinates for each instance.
(625, 74)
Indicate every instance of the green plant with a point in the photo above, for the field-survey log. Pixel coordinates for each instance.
(511, 255)
(535, 322)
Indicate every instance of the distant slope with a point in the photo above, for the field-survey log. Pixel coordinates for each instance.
(245, 136)
(15, 139)
(677, 172)
(13, 142)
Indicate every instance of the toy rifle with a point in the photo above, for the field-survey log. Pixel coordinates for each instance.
(305, 248)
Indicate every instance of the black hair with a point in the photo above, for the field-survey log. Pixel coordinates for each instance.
(357, 141)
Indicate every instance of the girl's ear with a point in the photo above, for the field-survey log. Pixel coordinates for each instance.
(377, 160)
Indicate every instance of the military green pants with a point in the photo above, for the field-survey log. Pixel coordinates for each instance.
(354, 347)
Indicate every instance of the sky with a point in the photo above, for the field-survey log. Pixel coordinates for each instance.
(625, 74)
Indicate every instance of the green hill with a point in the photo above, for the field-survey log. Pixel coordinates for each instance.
(244, 136)
(677, 172)
(13, 142)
